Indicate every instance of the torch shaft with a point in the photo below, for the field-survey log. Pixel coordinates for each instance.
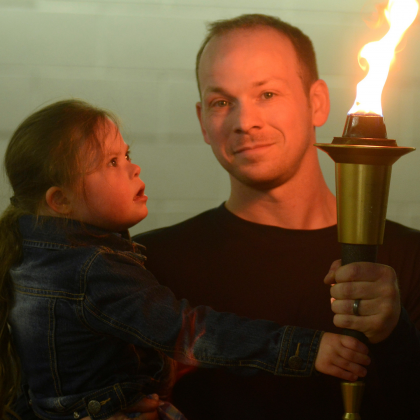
(355, 253)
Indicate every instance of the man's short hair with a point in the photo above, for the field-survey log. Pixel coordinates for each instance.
(301, 42)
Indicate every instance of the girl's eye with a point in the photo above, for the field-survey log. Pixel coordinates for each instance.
(113, 162)
(268, 95)
(127, 156)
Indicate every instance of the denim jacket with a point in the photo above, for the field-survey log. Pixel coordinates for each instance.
(94, 329)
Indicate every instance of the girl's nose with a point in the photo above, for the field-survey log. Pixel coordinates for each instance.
(136, 170)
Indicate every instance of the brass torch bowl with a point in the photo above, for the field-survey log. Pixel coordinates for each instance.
(363, 174)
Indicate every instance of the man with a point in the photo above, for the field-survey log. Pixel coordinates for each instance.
(265, 251)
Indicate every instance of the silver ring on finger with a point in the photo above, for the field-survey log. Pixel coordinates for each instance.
(356, 307)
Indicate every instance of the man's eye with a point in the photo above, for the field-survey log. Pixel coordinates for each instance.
(268, 95)
(221, 103)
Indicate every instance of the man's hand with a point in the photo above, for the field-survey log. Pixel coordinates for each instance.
(377, 288)
(342, 356)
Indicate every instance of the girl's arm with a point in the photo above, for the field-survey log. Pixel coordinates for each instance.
(125, 300)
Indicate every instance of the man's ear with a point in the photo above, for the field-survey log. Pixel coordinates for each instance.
(58, 201)
(320, 103)
(199, 110)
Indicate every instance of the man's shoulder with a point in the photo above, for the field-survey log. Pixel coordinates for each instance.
(396, 231)
(401, 248)
(194, 226)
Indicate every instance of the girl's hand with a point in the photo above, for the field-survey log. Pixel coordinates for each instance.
(342, 356)
(148, 407)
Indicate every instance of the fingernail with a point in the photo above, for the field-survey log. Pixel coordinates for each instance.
(329, 276)
(161, 403)
(153, 397)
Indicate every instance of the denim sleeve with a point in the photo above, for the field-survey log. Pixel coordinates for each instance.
(124, 300)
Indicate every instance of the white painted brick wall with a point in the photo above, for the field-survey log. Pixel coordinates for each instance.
(136, 58)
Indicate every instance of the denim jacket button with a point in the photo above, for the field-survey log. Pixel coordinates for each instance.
(295, 362)
(94, 407)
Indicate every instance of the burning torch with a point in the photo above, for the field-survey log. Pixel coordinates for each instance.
(363, 159)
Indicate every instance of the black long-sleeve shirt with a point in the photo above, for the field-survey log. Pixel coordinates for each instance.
(267, 272)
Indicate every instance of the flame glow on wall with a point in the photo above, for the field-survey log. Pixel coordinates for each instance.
(379, 55)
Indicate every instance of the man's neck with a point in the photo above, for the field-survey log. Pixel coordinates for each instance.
(290, 206)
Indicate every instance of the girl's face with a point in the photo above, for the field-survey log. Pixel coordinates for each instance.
(114, 194)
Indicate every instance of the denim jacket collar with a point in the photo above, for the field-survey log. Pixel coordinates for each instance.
(59, 232)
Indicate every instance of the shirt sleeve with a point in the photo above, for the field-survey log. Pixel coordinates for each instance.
(125, 300)
(398, 360)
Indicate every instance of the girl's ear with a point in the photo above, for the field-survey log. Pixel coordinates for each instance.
(58, 201)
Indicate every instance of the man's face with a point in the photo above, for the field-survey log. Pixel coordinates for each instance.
(255, 113)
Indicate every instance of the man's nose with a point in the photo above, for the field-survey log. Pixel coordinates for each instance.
(247, 116)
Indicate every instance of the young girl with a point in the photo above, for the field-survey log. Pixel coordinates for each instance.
(91, 329)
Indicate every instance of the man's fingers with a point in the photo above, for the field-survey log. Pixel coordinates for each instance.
(366, 307)
(330, 277)
(375, 288)
(359, 290)
(349, 321)
(376, 327)
(366, 325)
(364, 271)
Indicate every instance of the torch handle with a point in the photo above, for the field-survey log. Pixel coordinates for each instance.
(354, 253)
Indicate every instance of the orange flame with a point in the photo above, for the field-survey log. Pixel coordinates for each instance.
(380, 54)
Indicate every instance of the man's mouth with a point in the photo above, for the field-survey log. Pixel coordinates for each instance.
(251, 147)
